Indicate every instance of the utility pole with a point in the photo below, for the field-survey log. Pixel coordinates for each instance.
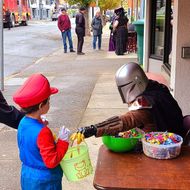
(96, 3)
(137, 10)
(1, 46)
(41, 9)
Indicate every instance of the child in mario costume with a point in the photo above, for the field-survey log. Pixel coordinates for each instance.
(39, 153)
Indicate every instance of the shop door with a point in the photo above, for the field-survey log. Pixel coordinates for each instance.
(161, 31)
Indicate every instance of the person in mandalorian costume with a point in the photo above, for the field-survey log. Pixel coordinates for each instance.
(151, 106)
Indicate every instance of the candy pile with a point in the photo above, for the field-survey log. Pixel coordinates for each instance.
(165, 138)
(130, 134)
(162, 145)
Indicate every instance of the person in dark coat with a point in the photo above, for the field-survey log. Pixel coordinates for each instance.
(9, 115)
(111, 39)
(80, 29)
(97, 30)
(8, 18)
(120, 31)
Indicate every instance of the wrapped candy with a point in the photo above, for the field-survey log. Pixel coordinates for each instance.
(162, 138)
(130, 134)
(162, 145)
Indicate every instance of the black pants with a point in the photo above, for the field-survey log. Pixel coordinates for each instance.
(121, 37)
(80, 43)
(9, 25)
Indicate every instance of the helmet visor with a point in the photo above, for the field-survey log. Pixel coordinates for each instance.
(122, 91)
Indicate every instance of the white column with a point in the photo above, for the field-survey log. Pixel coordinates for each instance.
(146, 35)
(180, 70)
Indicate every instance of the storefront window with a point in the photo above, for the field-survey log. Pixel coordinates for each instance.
(161, 31)
(158, 29)
(171, 33)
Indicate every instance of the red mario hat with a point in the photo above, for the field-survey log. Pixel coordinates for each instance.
(35, 89)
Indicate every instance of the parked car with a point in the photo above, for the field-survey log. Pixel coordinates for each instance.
(55, 16)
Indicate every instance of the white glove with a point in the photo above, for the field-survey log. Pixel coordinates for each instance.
(64, 134)
(44, 120)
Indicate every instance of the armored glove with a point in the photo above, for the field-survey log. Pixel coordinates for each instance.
(87, 131)
(111, 126)
(64, 134)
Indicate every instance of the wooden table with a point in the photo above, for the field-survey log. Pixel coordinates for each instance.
(136, 171)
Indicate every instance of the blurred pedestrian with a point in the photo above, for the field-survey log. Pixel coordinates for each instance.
(97, 30)
(8, 18)
(80, 29)
(111, 39)
(64, 25)
(120, 31)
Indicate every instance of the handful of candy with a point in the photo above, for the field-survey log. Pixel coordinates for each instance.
(165, 138)
(131, 133)
(79, 137)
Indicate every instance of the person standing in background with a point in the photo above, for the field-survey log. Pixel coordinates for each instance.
(111, 39)
(120, 31)
(8, 18)
(97, 30)
(80, 30)
(64, 25)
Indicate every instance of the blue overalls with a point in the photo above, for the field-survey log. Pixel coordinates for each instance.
(34, 174)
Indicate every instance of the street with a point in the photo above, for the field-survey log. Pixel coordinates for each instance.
(87, 90)
(25, 45)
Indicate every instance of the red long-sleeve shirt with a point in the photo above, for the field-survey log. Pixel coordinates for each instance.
(64, 22)
(51, 153)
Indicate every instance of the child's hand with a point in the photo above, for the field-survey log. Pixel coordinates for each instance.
(64, 134)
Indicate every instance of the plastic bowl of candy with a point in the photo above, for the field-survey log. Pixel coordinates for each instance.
(123, 142)
(162, 145)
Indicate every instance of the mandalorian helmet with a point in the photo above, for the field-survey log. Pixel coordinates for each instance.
(131, 81)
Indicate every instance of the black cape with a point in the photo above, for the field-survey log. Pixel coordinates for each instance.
(165, 109)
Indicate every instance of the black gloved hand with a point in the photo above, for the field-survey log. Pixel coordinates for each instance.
(88, 131)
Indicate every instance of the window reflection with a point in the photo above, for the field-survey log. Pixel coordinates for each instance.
(160, 28)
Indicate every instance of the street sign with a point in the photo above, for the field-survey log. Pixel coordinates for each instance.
(1, 46)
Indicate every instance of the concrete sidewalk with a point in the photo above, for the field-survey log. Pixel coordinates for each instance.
(87, 95)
